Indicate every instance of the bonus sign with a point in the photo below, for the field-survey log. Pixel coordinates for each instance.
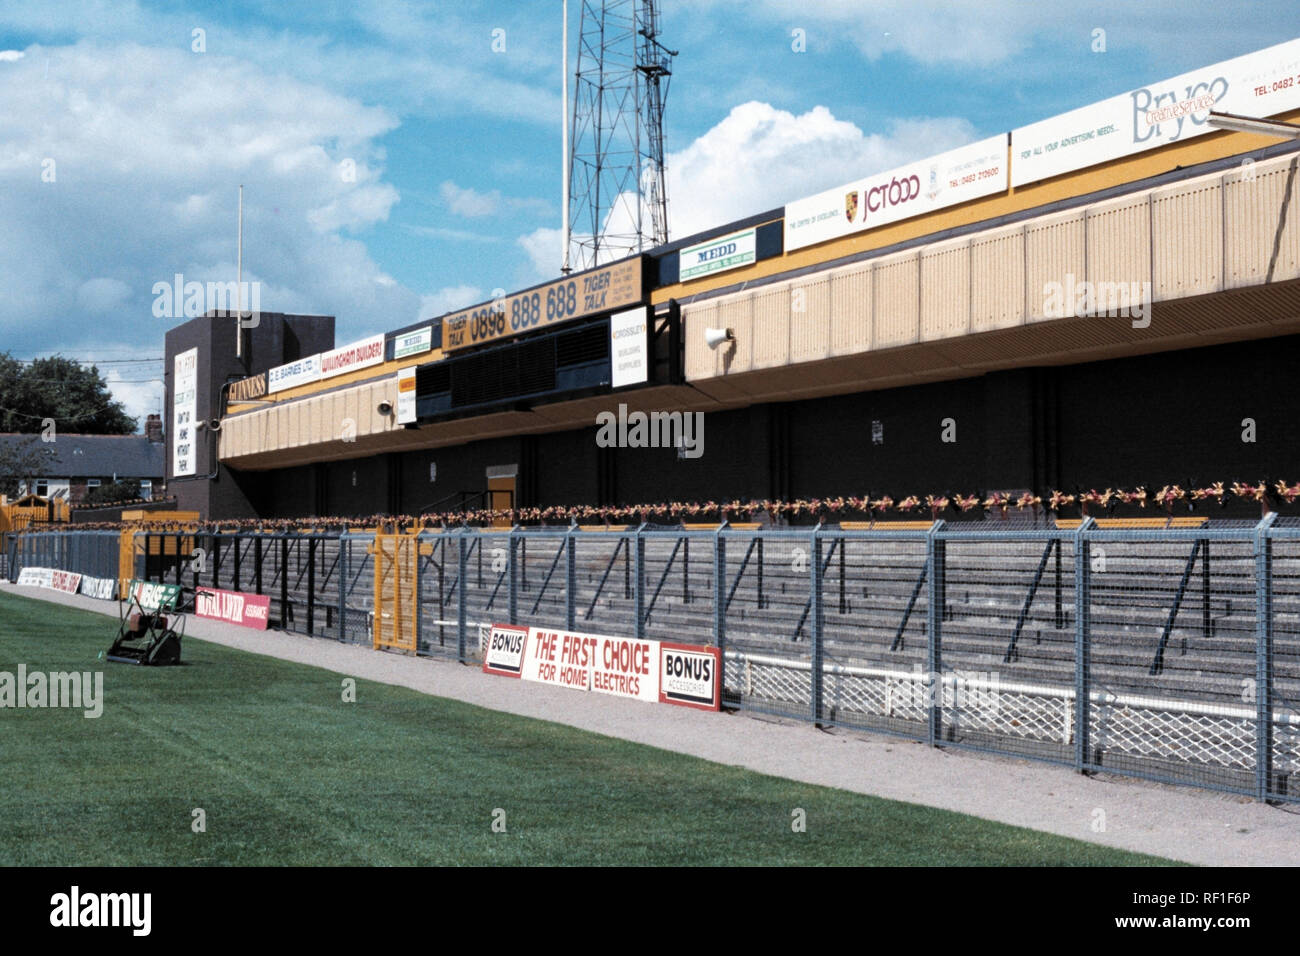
(689, 675)
(505, 650)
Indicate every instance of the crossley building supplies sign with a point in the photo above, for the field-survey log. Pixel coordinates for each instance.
(629, 351)
(650, 671)
(588, 293)
(1258, 84)
(970, 172)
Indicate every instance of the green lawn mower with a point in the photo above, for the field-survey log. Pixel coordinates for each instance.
(150, 626)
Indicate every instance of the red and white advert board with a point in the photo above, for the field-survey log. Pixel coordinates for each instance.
(65, 581)
(505, 650)
(652, 671)
(246, 610)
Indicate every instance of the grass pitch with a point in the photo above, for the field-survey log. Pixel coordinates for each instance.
(288, 774)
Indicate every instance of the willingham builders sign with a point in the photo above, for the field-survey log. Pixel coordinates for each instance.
(682, 674)
(313, 368)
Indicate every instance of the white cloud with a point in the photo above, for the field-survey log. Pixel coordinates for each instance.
(149, 146)
(449, 234)
(103, 296)
(988, 32)
(140, 398)
(10, 56)
(470, 203)
(450, 299)
(759, 158)
(544, 247)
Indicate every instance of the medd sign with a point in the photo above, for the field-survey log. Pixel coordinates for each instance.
(718, 255)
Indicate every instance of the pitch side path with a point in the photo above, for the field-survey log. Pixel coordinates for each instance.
(1176, 822)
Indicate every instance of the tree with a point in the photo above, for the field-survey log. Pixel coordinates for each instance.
(19, 459)
(76, 397)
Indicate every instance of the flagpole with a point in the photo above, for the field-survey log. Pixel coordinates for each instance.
(239, 282)
(564, 139)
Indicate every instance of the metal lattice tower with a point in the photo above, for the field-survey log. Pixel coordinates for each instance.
(618, 201)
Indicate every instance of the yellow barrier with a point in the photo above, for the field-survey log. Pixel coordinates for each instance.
(1138, 524)
(885, 525)
(132, 539)
(29, 509)
(397, 589)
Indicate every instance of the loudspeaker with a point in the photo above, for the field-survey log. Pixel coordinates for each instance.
(715, 337)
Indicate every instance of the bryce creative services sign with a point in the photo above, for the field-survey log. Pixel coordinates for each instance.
(1264, 83)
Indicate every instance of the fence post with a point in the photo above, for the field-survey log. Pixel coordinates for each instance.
(720, 591)
(1264, 656)
(284, 581)
(311, 582)
(638, 597)
(257, 562)
(937, 566)
(512, 568)
(462, 568)
(1082, 645)
(570, 576)
(344, 566)
(817, 619)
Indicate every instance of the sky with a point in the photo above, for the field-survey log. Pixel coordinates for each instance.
(403, 159)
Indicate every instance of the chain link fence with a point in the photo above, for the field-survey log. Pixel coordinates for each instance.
(1169, 654)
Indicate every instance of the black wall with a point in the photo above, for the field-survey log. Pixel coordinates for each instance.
(1168, 418)
(278, 338)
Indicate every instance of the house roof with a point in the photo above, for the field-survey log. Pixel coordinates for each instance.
(97, 456)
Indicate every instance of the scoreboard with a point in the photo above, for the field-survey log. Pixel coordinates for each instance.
(588, 293)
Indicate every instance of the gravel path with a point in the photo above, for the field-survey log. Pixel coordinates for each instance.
(1176, 822)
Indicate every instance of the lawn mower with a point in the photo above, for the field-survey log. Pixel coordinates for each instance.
(150, 627)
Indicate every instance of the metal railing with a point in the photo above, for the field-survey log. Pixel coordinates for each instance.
(1169, 654)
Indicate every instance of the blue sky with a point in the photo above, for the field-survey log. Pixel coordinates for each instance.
(456, 148)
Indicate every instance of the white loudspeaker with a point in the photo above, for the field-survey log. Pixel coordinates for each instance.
(715, 337)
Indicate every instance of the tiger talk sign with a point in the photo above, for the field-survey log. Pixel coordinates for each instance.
(682, 674)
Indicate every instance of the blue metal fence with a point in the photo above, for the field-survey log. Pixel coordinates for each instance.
(1168, 654)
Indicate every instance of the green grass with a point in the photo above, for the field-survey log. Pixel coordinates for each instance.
(289, 774)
